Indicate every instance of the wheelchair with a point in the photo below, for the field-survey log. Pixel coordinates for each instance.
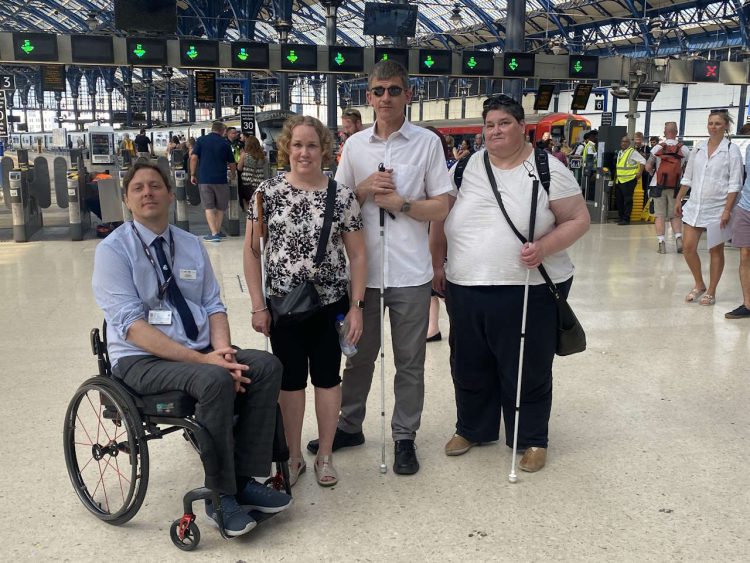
(106, 434)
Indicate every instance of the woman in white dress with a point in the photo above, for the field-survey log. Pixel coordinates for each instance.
(714, 176)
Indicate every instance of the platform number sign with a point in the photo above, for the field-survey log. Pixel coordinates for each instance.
(247, 120)
(599, 105)
(7, 82)
(3, 116)
(237, 99)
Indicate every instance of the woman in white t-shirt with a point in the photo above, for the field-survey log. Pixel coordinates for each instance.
(714, 176)
(486, 272)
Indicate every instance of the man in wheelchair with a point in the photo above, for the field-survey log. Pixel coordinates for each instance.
(167, 330)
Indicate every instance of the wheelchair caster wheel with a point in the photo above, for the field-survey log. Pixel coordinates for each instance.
(191, 535)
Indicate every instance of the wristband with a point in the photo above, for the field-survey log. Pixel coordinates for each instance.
(258, 310)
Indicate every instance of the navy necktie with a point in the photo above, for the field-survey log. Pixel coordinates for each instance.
(173, 292)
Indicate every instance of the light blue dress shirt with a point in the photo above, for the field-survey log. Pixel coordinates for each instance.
(126, 286)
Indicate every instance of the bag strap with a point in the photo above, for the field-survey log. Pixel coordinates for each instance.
(532, 220)
(460, 166)
(541, 157)
(325, 232)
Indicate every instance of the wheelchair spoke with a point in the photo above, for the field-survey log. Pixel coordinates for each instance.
(83, 427)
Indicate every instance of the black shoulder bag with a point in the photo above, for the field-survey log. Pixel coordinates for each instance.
(303, 301)
(571, 338)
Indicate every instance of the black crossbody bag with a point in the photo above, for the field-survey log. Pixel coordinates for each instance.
(303, 301)
(571, 337)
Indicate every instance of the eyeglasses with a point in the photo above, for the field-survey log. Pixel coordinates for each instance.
(393, 91)
(718, 112)
(499, 100)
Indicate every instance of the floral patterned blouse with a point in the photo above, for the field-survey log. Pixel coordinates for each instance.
(295, 219)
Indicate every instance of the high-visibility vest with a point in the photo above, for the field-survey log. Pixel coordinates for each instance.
(627, 170)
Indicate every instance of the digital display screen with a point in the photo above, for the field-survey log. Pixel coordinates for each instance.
(246, 54)
(544, 97)
(144, 51)
(205, 87)
(396, 20)
(581, 97)
(299, 57)
(95, 49)
(434, 61)
(518, 64)
(35, 47)
(200, 53)
(53, 78)
(346, 59)
(580, 66)
(706, 71)
(478, 63)
(388, 54)
(141, 16)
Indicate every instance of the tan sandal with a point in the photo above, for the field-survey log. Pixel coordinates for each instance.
(325, 472)
(694, 294)
(297, 467)
(707, 300)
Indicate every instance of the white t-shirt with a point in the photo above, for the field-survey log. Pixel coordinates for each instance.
(657, 149)
(482, 248)
(419, 172)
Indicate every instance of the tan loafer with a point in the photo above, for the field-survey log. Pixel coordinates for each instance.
(533, 459)
(458, 445)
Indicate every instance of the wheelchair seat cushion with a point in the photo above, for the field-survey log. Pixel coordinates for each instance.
(172, 403)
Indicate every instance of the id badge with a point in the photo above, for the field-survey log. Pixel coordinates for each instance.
(160, 317)
(188, 274)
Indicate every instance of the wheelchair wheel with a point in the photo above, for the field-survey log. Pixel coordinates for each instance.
(107, 462)
(191, 537)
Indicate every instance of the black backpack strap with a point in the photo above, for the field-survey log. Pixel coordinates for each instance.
(458, 175)
(541, 157)
(325, 232)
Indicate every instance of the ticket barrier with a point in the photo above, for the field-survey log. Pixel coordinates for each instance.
(126, 214)
(181, 203)
(78, 214)
(233, 213)
(27, 215)
(597, 194)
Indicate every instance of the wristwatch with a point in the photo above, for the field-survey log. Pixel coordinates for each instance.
(359, 303)
(406, 207)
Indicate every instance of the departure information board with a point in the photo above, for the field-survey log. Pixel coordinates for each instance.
(584, 67)
(93, 49)
(205, 87)
(146, 51)
(477, 63)
(401, 56)
(199, 53)
(35, 47)
(518, 65)
(346, 59)
(247, 54)
(581, 97)
(435, 61)
(299, 57)
(544, 97)
(53, 78)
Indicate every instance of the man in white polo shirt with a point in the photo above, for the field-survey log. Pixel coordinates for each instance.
(414, 190)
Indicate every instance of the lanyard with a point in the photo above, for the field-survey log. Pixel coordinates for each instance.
(162, 286)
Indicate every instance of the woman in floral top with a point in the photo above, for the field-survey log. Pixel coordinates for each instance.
(293, 210)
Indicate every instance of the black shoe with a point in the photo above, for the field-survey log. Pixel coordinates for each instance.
(437, 337)
(405, 454)
(340, 440)
(740, 312)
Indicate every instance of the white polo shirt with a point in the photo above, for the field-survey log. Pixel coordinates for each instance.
(416, 156)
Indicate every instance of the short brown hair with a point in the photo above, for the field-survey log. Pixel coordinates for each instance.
(140, 165)
(351, 113)
(383, 70)
(253, 148)
(218, 127)
(285, 137)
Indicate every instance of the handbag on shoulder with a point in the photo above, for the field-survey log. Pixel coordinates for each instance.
(571, 337)
(303, 301)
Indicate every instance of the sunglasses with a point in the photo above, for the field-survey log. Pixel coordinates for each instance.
(393, 91)
(499, 100)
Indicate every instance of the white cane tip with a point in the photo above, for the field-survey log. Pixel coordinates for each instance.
(512, 478)
(383, 468)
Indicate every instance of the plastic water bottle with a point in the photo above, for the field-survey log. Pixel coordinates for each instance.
(342, 327)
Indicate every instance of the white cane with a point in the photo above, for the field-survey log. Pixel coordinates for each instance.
(259, 205)
(383, 467)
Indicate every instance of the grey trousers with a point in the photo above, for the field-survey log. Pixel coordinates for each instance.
(409, 310)
(243, 449)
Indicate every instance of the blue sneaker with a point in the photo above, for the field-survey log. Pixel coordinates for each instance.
(236, 520)
(212, 238)
(256, 496)
(222, 234)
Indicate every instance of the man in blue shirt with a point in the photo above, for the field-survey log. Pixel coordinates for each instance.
(211, 155)
(167, 330)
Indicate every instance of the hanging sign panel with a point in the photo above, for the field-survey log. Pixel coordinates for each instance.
(35, 47)
(205, 87)
(582, 66)
(346, 59)
(247, 54)
(199, 53)
(53, 78)
(92, 49)
(435, 61)
(299, 57)
(146, 51)
(519, 65)
(401, 56)
(477, 63)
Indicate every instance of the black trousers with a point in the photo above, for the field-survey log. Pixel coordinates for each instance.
(242, 449)
(485, 338)
(624, 199)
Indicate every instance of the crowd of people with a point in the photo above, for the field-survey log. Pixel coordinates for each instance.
(405, 219)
